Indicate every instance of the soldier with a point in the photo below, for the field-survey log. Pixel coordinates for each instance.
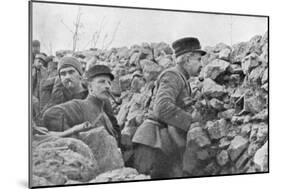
(66, 115)
(160, 140)
(69, 84)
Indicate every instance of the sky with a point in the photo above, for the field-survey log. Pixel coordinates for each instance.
(52, 23)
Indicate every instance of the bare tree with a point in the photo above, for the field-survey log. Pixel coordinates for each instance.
(113, 36)
(96, 36)
(75, 32)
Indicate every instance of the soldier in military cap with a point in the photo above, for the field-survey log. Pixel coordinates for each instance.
(159, 141)
(66, 115)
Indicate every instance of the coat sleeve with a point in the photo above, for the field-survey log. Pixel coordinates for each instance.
(165, 108)
(64, 116)
(57, 96)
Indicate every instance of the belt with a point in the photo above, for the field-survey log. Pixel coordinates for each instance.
(159, 123)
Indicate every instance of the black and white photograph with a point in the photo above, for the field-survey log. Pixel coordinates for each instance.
(126, 94)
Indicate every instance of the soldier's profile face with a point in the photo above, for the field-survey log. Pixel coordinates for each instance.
(193, 66)
(70, 77)
(99, 86)
(36, 49)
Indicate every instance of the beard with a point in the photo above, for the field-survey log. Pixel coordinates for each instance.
(68, 84)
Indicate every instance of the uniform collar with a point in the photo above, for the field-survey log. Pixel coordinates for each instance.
(183, 71)
(94, 100)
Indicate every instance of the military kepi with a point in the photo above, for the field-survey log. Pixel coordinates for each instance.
(97, 70)
(187, 44)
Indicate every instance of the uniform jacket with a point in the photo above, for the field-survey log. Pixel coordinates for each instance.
(64, 116)
(168, 111)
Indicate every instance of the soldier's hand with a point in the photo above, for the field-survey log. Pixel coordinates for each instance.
(189, 101)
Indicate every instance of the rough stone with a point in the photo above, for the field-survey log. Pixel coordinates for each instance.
(217, 129)
(123, 174)
(165, 62)
(150, 69)
(245, 129)
(125, 82)
(203, 154)
(237, 146)
(222, 158)
(216, 104)
(161, 47)
(250, 62)
(64, 159)
(254, 103)
(235, 69)
(261, 158)
(224, 142)
(261, 116)
(198, 136)
(104, 147)
(134, 59)
(211, 89)
(40, 181)
(228, 114)
(256, 75)
(265, 76)
(215, 68)
(253, 147)
(224, 54)
(242, 161)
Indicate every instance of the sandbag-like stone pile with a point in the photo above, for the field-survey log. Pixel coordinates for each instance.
(233, 136)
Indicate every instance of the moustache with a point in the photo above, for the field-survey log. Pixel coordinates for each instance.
(112, 97)
(67, 82)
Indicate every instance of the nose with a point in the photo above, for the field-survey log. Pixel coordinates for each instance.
(107, 86)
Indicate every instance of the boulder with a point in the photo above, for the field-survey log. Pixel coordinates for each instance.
(134, 59)
(40, 181)
(242, 49)
(64, 159)
(245, 129)
(222, 158)
(224, 54)
(165, 62)
(104, 148)
(242, 161)
(125, 82)
(215, 68)
(212, 89)
(123, 52)
(227, 114)
(235, 69)
(216, 104)
(265, 76)
(161, 47)
(254, 103)
(261, 116)
(256, 75)
(224, 142)
(261, 158)
(237, 146)
(250, 62)
(259, 132)
(197, 139)
(150, 70)
(217, 129)
(198, 136)
(203, 154)
(117, 175)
